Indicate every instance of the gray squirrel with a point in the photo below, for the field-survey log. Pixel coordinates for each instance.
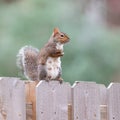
(44, 64)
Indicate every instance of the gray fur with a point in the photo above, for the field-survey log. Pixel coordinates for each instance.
(27, 61)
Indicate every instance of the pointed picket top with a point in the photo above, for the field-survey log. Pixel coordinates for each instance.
(77, 83)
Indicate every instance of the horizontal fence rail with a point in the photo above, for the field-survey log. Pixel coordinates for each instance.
(29, 100)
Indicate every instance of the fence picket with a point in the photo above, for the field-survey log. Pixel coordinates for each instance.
(52, 100)
(114, 101)
(12, 99)
(55, 101)
(86, 101)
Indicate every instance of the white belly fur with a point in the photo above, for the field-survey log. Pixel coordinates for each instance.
(53, 66)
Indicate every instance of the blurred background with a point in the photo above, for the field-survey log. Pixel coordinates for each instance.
(93, 53)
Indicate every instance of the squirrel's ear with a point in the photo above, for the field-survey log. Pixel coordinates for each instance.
(56, 31)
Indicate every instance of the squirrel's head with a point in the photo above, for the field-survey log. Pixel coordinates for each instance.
(60, 36)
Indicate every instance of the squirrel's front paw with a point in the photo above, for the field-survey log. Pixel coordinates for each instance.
(60, 80)
(47, 80)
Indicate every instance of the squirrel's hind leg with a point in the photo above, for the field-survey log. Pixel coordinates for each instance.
(42, 74)
(59, 78)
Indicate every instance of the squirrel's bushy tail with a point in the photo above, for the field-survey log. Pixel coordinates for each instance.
(27, 62)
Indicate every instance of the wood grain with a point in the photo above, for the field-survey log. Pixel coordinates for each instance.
(12, 99)
(52, 100)
(114, 101)
(86, 101)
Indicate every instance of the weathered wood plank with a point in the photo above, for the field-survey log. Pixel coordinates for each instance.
(30, 87)
(70, 112)
(52, 100)
(103, 102)
(103, 94)
(103, 112)
(114, 101)
(12, 99)
(86, 101)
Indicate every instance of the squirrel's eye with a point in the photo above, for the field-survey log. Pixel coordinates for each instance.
(62, 35)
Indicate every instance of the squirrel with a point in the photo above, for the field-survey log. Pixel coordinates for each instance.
(43, 64)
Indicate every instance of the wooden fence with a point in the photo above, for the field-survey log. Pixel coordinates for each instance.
(20, 100)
